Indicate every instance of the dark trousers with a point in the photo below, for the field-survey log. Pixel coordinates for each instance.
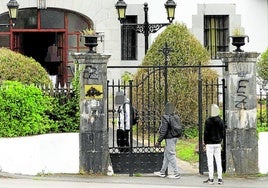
(123, 140)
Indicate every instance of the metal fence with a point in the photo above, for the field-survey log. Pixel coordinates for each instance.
(262, 115)
(64, 93)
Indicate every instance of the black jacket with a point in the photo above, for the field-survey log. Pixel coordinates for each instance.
(164, 130)
(214, 128)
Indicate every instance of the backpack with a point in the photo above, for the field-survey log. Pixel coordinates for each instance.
(134, 115)
(174, 125)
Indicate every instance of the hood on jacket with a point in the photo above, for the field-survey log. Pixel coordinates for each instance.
(215, 111)
(169, 108)
(126, 100)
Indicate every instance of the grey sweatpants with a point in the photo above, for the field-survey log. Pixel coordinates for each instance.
(170, 156)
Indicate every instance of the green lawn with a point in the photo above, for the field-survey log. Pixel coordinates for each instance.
(186, 150)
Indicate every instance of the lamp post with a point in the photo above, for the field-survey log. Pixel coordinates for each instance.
(13, 7)
(146, 28)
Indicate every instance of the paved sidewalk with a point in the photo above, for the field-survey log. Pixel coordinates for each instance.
(147, 180)
(186, 168)
(190, 179)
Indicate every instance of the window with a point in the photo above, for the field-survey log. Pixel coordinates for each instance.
(216, 34)
(27, 19)
(4, 19)
(129, 40)
(52, 19)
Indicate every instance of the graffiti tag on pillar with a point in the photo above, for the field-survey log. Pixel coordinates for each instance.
(90, 109)
(241, 93)
(93, 91)
(242, 69)
(242, 85)
(90, 72)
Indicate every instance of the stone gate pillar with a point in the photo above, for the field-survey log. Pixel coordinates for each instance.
(241, 112)
(93, 137)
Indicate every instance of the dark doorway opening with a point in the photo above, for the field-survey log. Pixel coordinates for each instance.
(36, 45)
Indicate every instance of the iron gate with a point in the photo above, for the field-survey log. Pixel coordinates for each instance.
(212, 92)
(142, 156)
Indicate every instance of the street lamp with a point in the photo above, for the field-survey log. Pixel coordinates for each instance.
(121, 8)
(145, 28)
(13, 7)
(170, 7)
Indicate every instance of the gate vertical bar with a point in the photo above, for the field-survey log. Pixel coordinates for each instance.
(131, 170)
(266, 108)
(224, 133)
(166, 50)
(260, 103)
(166, 79)
(200, 119)
(107, 106)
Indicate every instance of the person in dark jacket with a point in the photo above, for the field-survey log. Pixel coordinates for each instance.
(213, 136)
(171, 141)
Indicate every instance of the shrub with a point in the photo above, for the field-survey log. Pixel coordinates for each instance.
(191, 132)
(17, 67)
(66, 114)
(66, 108)
(262, 125)
(23, 110)
(182, 83)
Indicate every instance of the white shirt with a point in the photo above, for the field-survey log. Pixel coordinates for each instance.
(123, 117)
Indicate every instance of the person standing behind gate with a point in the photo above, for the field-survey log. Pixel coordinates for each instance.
(123, 126)
(171, 141)
(213, 136)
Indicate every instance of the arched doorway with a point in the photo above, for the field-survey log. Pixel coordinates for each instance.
(48, 36)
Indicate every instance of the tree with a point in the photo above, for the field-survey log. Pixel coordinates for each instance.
(17, 67)
(182, 82)
(262, 66)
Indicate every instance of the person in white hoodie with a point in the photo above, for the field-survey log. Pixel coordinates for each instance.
(123, 126)
(213, 136)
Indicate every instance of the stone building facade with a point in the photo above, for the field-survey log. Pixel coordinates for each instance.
(59, 22)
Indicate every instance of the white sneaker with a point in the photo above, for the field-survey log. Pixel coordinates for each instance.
(160, 174)
(174, 176)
